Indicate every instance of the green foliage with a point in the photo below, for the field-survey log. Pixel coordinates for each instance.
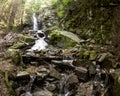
(54, 1)
(59, 40)
(60, 14)
(55, 37)
(66, 1)
(18, 45)
(62, 7)
(90, 20)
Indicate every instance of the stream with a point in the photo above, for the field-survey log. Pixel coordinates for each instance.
(50, 71)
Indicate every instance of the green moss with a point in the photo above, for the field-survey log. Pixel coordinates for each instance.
(18, 45)
(17, 58)
(69, 43)
(92, 56)
(86, 54)
(59, 40)
(66, 1)
(25, 38)
(60, 13)
(11, 92)
(81, 55)
(14, 55)
(61, 7)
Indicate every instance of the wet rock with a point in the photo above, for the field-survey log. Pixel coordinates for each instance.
(73, 79)
(92, 69)
(43, 93)
(23, 75)
(34, 63)
(78, 62)
(18, 45)
(31, 69)
(17, 40)
(50, 87)
(19, 90)
(10, 38)
(50, 79)
(42, 72)
(101, 57)
(63, 63)
(26, 39)
(82, 73)
(54, 73)
(26, 94)
(85, 89)
(82, 63)
(93, 55)
(72, 82)
(54, 57)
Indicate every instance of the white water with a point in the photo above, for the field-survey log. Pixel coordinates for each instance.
(67, 94)
(35, 23)
(63, 86)
(40, 44)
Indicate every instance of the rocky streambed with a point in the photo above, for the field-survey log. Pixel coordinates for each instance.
(57, 72)
(53, 73)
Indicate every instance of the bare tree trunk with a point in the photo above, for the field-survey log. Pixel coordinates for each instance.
(12, 13)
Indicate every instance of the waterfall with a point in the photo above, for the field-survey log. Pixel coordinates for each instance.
(29, 86)
(40, 44)
(35, 23)
(63, 85)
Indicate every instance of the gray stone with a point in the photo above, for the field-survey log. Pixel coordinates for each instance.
(54, 73)
(43, 93)
(51, 87)
(42, 71)
(22, 73)
(82, 73)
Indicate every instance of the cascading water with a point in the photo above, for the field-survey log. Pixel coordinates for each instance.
(35, 23)
(29, 86)
(63, 85)
(40, 44)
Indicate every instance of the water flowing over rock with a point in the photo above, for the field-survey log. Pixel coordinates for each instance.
(57, 72)
(40, 44)
(35, 22)
(44, 70)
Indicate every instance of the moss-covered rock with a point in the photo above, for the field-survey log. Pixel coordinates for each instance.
(18, 45)
(81, 55)
(25, 38)
(14, 55)
(86, 54)
(93, 55)
(22, 41)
